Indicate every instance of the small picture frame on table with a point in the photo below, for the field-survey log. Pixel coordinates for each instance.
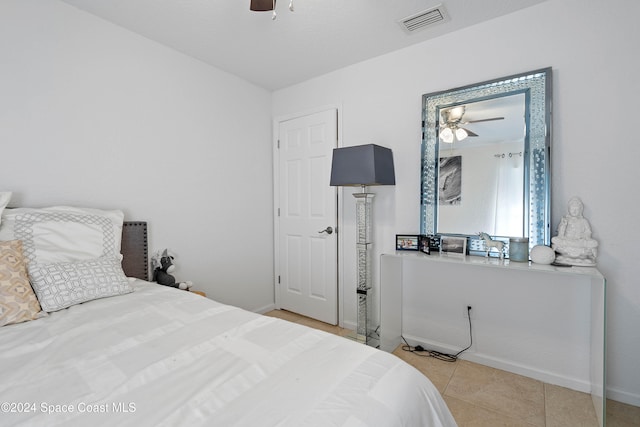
(429, 243)
(407, 242)
(456, 246)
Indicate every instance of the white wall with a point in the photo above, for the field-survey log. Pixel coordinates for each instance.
(94, 115)
(592, 49)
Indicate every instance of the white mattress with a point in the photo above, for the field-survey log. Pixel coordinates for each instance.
(164, 357)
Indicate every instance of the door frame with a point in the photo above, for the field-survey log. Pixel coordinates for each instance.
(275, 130)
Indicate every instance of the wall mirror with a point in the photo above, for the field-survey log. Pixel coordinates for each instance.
(485, 159)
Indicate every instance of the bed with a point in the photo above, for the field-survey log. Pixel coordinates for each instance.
(152, 355)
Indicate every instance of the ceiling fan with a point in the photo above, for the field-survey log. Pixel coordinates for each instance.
(452, 124)
(267, 5)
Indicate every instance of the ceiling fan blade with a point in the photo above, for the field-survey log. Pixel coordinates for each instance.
(469, 133)
(262, 5)
(483, 120)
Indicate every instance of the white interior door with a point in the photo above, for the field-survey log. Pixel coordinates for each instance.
(307, 245)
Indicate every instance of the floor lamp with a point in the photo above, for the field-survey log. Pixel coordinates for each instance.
(363, 166)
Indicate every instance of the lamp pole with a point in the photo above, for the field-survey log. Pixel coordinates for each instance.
(365, 332)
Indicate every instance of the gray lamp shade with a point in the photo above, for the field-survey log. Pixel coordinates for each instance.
(362, 165)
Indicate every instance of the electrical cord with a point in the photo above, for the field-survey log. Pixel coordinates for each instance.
(420, 351)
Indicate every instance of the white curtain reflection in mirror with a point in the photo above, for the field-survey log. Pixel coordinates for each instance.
(492, 190)
(509, 182)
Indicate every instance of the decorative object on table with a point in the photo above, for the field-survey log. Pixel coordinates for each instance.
(407, 242)
(532, 195)
(430, 243)
(162, 265)
(519, 249)
(573, 244)
(541, 254)
(425, 244)
(451, 245)
(361, 166)
(489, 244)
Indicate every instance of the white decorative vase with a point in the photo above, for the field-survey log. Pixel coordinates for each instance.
(541, 254)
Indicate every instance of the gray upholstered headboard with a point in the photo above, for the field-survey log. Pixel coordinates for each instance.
(135, 261)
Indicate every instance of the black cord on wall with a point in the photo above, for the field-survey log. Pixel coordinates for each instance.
(420, 351)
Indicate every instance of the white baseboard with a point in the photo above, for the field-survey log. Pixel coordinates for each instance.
(505, 365)
(265, 309)
(509, 366)
(623, 396)
(349, 325)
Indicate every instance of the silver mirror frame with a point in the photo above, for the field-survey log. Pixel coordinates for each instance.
(536, 85)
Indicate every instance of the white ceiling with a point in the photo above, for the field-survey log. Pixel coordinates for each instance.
(318, 37)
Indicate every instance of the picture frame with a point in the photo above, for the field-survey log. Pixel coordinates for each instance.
(429, 243)
(407, 242)
(452, 245)
(425, 247)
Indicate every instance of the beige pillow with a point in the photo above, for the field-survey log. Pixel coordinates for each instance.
(18, 303)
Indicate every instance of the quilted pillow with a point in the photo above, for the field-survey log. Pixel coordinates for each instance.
(63, 233)
(18, 303)
(61, 285)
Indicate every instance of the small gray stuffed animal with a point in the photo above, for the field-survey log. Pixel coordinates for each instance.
(162, 264)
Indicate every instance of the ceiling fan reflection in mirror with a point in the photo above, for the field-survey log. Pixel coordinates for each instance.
(267, 5)
(452, 121)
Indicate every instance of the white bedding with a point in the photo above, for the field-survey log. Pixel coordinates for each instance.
(165, 357)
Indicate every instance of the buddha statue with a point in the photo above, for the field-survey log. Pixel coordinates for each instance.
(573, 244)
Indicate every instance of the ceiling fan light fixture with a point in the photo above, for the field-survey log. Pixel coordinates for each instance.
(461, 134)
(446, 135)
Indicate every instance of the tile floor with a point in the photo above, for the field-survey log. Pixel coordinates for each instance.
(478, 395)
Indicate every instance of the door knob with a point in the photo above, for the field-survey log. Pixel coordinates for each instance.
(327, 230)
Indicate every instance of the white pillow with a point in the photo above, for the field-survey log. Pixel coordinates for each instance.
(63, 233)
(61, 285)
(73, 254)
(5, 196)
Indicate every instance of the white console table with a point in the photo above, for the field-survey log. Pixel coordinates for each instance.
(540, 321)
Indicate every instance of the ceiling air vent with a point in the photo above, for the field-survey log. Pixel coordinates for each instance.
(424, 19)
